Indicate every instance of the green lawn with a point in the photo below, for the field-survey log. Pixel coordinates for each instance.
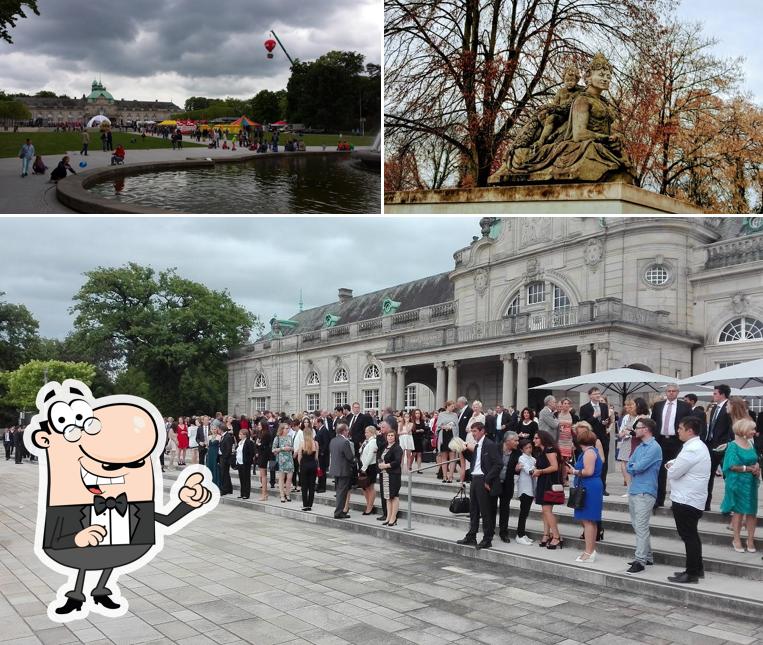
(57, 143)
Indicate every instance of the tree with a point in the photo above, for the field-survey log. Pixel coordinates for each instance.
(163, 325)
(46, 94)
(10, 12)
(331, 92)
(22, 384)
(18, 334)
(265, 107)
(12, 110)
(669, 97)
(466, 71)
(197, 103)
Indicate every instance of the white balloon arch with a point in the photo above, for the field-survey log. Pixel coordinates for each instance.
(98, 120)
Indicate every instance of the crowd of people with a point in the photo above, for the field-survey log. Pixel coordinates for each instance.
(555, 457)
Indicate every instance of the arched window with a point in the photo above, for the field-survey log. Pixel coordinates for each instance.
(260, 383)
(313, 378)
(561, 299)
(513, 309)
(340, 376)
(742, 330)
(536, 293)
(372, 372)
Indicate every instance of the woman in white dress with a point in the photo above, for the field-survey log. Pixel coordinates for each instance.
(405, 439)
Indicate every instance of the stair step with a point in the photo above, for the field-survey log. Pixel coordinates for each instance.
(718, 592)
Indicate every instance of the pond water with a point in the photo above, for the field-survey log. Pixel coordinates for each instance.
(312, 183)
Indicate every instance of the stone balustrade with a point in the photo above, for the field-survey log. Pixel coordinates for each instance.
(737, 251)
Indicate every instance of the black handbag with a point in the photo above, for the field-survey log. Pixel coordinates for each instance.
(460, 503)
(577, 495)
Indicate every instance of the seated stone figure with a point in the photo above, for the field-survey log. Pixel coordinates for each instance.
(558, 111)
(583, 148)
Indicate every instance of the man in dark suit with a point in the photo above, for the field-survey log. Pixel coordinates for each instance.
(497, 424)
(244, 461)
(202, 436)
(226, 461)
(464, 414)
(486, 462)
(323, 436)
(699, 412)
(667, 415)
(341, 462)
(8, 442)
(596, 413)
(357, 422)
(718, 432)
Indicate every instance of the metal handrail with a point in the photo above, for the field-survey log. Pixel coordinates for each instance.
(410, 485)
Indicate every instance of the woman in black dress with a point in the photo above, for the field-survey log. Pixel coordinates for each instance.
(389, 481)
(548, 470)
(420, 436)
(307, 456)
(528, 426)
(262, 455)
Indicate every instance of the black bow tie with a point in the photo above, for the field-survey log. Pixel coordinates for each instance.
(103, 503)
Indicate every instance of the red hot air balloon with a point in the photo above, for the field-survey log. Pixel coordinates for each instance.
(270, 45)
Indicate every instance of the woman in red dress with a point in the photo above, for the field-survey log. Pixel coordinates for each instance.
(182, 434)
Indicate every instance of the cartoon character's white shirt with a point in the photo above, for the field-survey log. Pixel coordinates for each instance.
(117, 526)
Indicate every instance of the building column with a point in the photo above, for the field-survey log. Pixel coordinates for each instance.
(522, 359)
(507, 394)
(441, 381)
(602, 357)
(400, 396)
(452, 380)
(390, 388)
(586, 367)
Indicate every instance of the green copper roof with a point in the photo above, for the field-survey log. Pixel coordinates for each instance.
(99, 91)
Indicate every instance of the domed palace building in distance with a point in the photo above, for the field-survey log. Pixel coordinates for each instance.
(529, 301)
(52, 111)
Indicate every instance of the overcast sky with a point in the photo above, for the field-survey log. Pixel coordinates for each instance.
(262, 262)
(173, 49)
(737, 24)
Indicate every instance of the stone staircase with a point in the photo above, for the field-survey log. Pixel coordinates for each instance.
(732, 583)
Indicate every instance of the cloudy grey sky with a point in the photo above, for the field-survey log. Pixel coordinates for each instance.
(262, 262)
(173, 49)
(737, 24)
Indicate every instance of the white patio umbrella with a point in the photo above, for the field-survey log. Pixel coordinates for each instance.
(741, 375)
(623, 381)
(97, 120)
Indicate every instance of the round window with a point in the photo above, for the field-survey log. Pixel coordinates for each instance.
(657, 275)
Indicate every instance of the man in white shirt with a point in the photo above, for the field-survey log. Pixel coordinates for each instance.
(688, 475)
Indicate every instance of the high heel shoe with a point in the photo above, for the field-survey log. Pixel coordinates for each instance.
(559, 543)
(393, 523)
(544, 542)
(736, 548)
(600, 536)
(283, 500)
(590, 559)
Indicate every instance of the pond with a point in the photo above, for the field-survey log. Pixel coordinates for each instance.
(312, 183)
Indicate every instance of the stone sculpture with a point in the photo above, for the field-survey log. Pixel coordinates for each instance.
(571, 139)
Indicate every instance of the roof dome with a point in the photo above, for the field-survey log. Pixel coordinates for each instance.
(99, 91)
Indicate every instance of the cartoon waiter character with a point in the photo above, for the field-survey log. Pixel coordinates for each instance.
(100, 504)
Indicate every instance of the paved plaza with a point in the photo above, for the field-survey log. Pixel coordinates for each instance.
(236, 576)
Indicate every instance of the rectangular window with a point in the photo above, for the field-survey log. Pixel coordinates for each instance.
(536, 293)
(756, 405)
(259, 404)
(723, 364)
(340, 398)
(561, 301)
(370, 399)
(410, 397)
(313, 402)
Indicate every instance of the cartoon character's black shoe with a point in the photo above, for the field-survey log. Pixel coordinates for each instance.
(70, 606)
(106, 601)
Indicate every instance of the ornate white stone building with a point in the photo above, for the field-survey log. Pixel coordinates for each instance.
(49, 111)
(531, 301)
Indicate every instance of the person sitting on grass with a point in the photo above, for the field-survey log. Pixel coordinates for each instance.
(59, 172)
(119, 156)
(39, 167)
